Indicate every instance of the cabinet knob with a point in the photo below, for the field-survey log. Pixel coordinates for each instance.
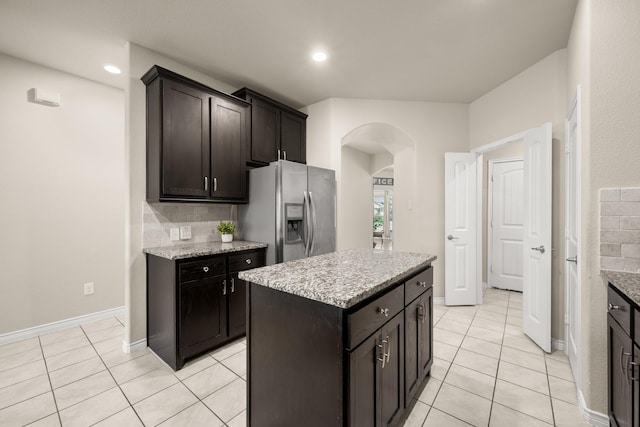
(205, 269)
(422, 283)
(248, 260)
(613, 307)
(383, 311)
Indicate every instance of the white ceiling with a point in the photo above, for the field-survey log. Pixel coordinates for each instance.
(427, 50)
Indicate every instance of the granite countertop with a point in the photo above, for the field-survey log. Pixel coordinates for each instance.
(626, 282)
(341, 279)
(193, 250)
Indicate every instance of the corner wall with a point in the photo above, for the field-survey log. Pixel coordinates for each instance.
(526, 101)
(62, 187)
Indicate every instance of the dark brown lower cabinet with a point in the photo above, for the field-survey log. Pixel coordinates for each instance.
(376, 383)
(195, 305)
(316, 364)
(203, 313)
(419, 342)
(620, 387)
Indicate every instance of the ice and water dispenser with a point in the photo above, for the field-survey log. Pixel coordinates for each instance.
(294, 214)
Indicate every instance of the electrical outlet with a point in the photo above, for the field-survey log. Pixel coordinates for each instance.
(174, 234)
(89, 288)
(185, 232)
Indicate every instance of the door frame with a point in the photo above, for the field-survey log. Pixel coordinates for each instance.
(492, 162)
(574, 107)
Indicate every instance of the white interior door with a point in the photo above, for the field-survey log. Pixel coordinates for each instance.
(572, 236)
(460, 226)
(506, 221)
(536, 304)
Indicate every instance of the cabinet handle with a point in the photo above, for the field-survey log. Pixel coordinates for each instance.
(388, 353)
(381, 349)
(285, 154)
(205, 269)
(631, 370)
(233, 284)
(613, 307)
(623, 366)
(215, 184)
(224, 287)
(278, 154)
(248, 260)
(421, 313)
(206, 184)
(383, 311)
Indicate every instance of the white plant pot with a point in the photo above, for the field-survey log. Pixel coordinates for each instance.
(226, 238)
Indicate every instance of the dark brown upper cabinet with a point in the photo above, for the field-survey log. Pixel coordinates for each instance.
(197, 141)
(277, 130)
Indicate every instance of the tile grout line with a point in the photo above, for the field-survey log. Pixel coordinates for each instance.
(46, 367)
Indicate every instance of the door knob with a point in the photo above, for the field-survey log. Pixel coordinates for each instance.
(450, 237)
(539, 249)
(573, 259)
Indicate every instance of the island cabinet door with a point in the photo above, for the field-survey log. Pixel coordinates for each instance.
(418, 342)
(620, 388)
(376, 380)
(203, 314)
(425, 318)
(237, 306)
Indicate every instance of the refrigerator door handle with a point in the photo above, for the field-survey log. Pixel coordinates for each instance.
(313, 223)
(307, 224)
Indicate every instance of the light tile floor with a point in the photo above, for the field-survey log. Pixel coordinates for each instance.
(485, 373)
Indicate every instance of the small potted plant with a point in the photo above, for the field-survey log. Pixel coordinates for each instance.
(226, 229)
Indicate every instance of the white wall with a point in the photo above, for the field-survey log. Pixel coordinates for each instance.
(434, 128)
(355, 222)
(140, 60)
(62, 187)
(528, 100)
(605, 60)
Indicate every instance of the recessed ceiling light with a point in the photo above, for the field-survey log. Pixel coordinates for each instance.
(319, 56)
(112, 69)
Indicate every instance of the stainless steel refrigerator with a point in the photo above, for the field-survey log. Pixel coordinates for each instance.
(292, 207)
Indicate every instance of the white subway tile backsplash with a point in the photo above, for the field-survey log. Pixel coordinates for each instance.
(620, 229)
(610, 195)
(159, 218)
(610, 222)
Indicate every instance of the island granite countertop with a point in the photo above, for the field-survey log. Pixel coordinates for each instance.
(193, 250)
(626, 282)
(341, 279)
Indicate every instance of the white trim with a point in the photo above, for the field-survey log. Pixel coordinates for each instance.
(59, 325)
(438, 300)
(134, 346)
(479, 248)
(557, 344)
(592, 417)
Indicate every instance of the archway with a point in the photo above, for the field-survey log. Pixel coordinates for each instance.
(365, 152)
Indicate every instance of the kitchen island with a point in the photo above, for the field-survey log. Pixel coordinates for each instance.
(342, 339)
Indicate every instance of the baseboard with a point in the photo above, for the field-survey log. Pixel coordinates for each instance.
(134, 346)
(438, 300)
(557, 344)
(59, 325)
(592, 417)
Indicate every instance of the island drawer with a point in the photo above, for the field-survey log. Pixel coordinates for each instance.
(367, 319)
(246, 261)
(196, 270)
(418, 284)
(619, 309)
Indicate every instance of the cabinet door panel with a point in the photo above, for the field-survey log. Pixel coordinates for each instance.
(392, 375)
(619, 349)
(265, 131)
(203, 315)
(364, 382)
(237, 306)
(412, 348)
(293, 137)
(228, 142)
(185, 144)
(426, 333)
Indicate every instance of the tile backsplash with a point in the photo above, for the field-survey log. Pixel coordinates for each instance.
(620, 229)
(159, 218)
